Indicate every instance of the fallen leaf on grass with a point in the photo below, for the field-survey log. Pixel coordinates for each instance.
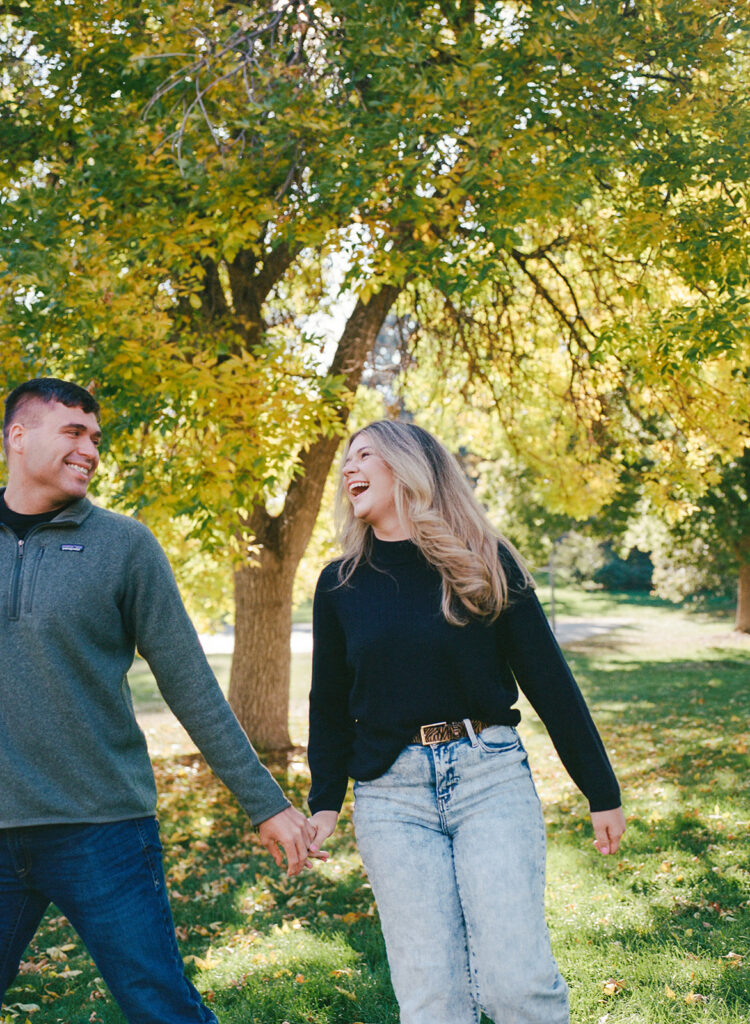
(351, 917)
(695, 997)
(735, 960)
(204, 963)
(33, 966)
(669, 992)
(612, 986)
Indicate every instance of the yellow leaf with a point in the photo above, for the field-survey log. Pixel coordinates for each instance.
(669, 993)
(351, 917)
(204, 963)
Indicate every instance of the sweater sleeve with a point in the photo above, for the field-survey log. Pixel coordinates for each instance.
(165, 636)
(331, 728)
(526, 638)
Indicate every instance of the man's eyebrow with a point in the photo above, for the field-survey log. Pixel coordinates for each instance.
(81, 426)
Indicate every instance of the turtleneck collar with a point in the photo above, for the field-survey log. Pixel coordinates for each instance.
(394, 552)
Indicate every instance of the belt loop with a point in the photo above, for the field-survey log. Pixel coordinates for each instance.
(470, 731)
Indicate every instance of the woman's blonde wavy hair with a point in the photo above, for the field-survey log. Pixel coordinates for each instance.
(435, 503)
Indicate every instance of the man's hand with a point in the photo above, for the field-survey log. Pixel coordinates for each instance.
(608, 829)
(291, 830)
(324, 825)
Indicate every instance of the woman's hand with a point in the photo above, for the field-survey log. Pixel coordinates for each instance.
(608, 829)
(324, 825)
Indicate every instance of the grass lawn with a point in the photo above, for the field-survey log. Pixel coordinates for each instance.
(658, 933)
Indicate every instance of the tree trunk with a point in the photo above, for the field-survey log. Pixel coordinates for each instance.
(742, 620)
(259, 681)
(263, 615)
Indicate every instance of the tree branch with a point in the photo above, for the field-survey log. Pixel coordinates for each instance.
(522, 259)
(292, 529)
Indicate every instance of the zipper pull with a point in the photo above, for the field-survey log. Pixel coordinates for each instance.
(20, 548)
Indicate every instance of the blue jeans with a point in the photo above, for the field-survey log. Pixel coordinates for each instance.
(452, 839)
(108, 880)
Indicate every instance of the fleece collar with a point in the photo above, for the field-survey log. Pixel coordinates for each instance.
(74, 513)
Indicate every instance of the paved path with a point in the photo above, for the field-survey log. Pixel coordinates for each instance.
(580, 629)
(301, 639)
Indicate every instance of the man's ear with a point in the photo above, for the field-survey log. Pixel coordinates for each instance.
(16, 432)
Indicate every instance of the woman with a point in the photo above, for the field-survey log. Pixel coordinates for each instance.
(421, 633)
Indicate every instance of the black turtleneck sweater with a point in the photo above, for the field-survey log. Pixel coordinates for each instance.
(385, 662)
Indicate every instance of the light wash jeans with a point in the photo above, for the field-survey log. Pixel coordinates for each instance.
(452, 839)
(108, 881)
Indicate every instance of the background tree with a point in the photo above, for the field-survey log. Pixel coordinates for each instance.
(553, 190)
(706, 548)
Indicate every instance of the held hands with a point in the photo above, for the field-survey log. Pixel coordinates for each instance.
(608, 829)
(292, 831)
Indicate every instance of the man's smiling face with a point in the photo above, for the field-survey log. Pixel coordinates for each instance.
(55, 453)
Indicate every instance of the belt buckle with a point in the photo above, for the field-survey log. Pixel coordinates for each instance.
(432, 725)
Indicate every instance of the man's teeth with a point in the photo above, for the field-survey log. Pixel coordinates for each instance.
(79, 469)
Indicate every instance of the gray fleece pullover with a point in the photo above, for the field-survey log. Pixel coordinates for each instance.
(76, 599)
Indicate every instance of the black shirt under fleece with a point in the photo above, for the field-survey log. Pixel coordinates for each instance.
(20, 523)
(385, 662)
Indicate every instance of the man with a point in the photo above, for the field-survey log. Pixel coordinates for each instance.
(80, 589)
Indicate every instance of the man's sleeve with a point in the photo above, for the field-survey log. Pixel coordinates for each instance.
(166, 638)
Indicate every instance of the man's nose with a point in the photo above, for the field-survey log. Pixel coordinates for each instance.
(87, 447)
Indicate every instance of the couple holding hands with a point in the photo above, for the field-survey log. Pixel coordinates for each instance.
(423, 632)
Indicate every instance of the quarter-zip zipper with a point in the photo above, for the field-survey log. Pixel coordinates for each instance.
(15, 590)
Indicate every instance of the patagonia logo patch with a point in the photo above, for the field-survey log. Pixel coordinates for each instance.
(71, 547)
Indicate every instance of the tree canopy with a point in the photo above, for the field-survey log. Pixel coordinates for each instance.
(556, 191)
(569, 178)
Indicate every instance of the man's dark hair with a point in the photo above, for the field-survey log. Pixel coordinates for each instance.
(47, 389)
